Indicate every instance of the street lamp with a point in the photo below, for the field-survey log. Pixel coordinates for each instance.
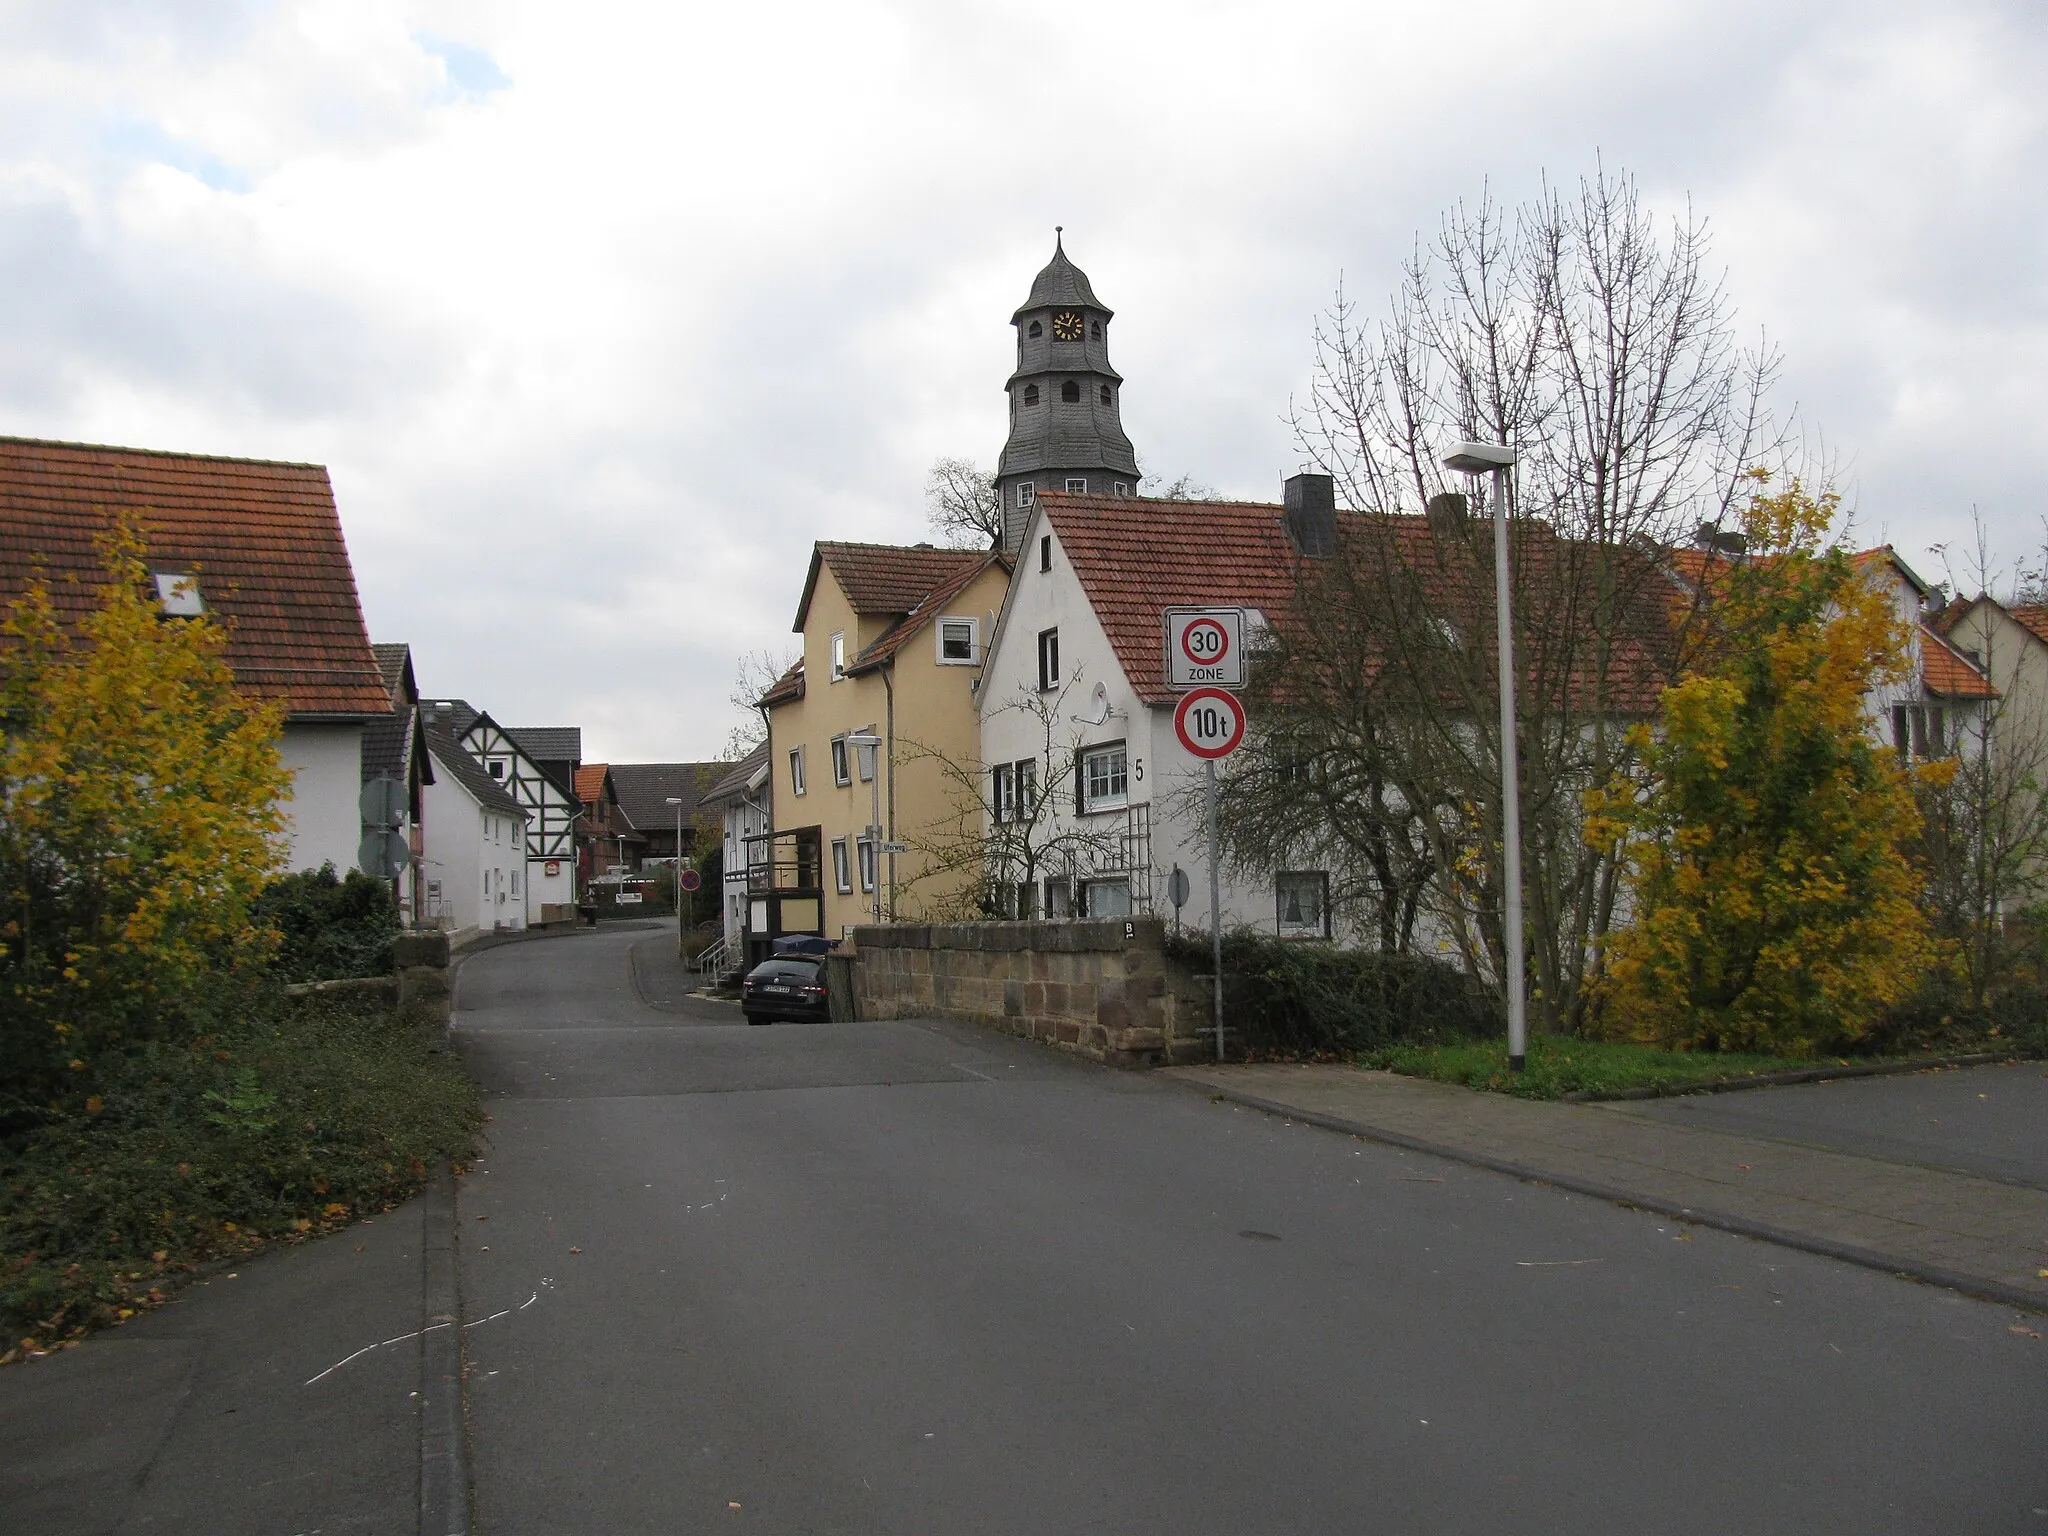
(677, 871)
(871, 745)
(1478, 459)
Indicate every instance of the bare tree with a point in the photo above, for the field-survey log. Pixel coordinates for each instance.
(755, 674)
(1602, 351)
(961, 505)
(1006, 833)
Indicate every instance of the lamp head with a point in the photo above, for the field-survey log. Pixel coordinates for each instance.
(1478, 458)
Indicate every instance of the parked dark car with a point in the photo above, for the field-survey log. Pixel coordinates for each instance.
(804, 944)
(788, 987)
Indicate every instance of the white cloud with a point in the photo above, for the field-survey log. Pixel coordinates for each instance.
(600, 315)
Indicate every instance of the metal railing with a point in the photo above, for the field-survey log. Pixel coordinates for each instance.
(712, 962)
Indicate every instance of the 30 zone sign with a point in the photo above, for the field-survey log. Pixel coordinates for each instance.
(1205, 647)
(1209, 723)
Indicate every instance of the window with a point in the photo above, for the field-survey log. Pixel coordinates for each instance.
(1095, 329)
(1031, 394)
(177, 595)
(867, 865)
(515, 882)
(1001, 794)
(1048, 660)
(841, 773)
(1120, 488)
(842, 870)
(1027, 493)
(1900, 738)
(487, 885)
(518, 837)
(1106, 898)
(958, 642)
(796, 770)
(1059, 899)
(1025, 778)
(1919, 730)
(838, 655)
(1045, 552)
(1077, 484)
(498, 766)
(1070, 391)
(1302, 905)
(1036, 329)
(1105, 778)
(1105, 394)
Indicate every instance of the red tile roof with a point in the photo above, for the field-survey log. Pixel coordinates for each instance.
(897, 635)
(1238, 554)
(1947, 671)
(590, 779)
(880, 580)
(265, 539)
(788, 686)
(2035, 619)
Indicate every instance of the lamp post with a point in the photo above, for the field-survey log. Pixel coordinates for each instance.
(1478, 459)
(870, 747)
(677, 871)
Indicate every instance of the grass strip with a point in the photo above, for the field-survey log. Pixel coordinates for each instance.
(1555, 1067)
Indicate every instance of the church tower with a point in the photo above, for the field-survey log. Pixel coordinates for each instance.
(1066, 426)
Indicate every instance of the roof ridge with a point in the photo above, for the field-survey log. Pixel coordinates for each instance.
(160, 453)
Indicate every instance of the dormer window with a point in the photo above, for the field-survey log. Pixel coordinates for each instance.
(177, 595)
(1031, 394)
(1036, 330)
(1070, 392)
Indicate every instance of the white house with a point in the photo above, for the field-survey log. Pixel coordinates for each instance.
(741, 797)
(253, 544)
(549, 883)
(1080, 637)
(474, 857)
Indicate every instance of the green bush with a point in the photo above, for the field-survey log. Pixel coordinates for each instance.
(1293, 999)
(281, 1118)
(331, 926)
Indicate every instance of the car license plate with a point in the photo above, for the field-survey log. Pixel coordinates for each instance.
(769, 986)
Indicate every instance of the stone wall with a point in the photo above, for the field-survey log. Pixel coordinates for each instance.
(1100, 988)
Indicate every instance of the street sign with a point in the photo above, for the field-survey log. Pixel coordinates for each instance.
(1178, 888)
(1209, 723)
(1205, 647)
(383, 853)
(689, 880)
(895, 847)
(382, 802)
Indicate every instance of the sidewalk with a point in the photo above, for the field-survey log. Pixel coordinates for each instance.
(1984, 1238)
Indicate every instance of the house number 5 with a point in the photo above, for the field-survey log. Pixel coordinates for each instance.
(1138, 769)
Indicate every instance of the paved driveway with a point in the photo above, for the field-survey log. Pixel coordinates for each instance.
(919, 1278)
(1987, 1121)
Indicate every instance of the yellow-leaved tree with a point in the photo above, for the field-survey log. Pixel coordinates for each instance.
(139, 817)
(1774, 905)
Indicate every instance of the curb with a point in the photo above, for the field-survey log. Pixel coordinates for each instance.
(1740, 1226)
(444, 1456)
(1801, 1075)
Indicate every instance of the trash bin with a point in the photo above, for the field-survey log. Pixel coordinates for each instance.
(588, 914)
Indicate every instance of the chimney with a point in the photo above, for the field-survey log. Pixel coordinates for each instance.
(1449, 515)
(1711, 540)
(1310, 517)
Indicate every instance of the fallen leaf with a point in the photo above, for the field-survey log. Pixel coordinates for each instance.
(579, 1250)
(1743, 1166)
(732, 1504)
(2025, 1333)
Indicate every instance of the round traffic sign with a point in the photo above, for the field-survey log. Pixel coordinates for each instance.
(1209, 722)
(689, 880)
(1205, 642)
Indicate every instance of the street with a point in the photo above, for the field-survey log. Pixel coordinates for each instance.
(924, 1278)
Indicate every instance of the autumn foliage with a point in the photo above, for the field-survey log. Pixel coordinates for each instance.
(1775, 907)
(138, 821)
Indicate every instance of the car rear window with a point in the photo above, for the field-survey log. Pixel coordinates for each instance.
(791, 970)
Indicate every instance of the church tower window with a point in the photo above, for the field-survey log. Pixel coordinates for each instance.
(1031, 394)
(1105, 394)
(1070, 392)
(1036, 330)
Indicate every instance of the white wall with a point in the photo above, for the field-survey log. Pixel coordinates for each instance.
(543, 889)
(743, 819)
(323, 817)
(476, 855)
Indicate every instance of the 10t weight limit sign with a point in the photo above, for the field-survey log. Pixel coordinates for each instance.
(1209, 723)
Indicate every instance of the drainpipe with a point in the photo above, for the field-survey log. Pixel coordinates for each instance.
(889, 743)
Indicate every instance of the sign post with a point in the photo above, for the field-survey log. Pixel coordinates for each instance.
(1210, 724)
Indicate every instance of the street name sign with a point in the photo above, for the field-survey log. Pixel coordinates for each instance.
(1205, 647)
(1209, 723)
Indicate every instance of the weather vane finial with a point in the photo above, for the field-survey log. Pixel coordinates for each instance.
(1057, 231)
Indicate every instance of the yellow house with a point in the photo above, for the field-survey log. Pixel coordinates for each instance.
(893, 641)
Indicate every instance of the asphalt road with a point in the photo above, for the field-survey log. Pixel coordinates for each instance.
(1987, 1121)
(901, 1278)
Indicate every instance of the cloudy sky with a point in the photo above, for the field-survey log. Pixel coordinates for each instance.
(600, 314)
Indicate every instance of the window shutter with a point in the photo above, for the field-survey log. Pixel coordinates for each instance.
(1080, 781)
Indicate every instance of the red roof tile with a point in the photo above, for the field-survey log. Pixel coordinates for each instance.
(884, 579)
(2034, 618)
(265, 539)
(1946, 671)
(934, 602)
(788, 686)
(590, 779)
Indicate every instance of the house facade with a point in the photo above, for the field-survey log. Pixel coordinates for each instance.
(394, 748)
(892, 644)
(644, 791)
(740, 797)
(474, 844)
(549, 800)
(607, 845)
(253, 544)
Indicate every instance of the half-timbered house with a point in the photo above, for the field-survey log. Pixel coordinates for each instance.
(548, 799)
